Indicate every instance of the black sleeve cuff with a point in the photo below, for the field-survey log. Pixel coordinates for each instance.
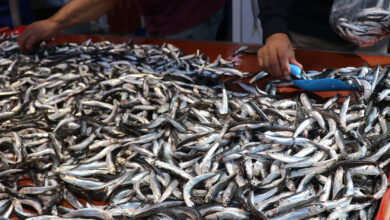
(274, 25)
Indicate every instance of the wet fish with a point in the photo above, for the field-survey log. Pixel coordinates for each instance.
(150, 132)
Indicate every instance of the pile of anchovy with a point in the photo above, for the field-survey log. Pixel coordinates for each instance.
(366, 27)
(107, 131)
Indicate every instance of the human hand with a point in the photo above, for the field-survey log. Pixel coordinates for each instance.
(276, 55)
(36, 33)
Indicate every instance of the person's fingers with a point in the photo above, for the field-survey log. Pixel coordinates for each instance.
(22, 40)
(260, 58)
(266, 62)
(25, 36)
(292, 58)
(273, 62)
(34, 33)
(261, 62)
(29, 45)
(284, 62)
(295, 62)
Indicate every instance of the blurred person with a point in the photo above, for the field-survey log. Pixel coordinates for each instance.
(180, 19)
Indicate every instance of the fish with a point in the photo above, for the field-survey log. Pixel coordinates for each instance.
(147, 131)
(368, 25)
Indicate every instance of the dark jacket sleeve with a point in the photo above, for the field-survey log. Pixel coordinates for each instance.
(273, 16)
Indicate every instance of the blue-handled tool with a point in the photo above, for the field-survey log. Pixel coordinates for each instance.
(318, 85)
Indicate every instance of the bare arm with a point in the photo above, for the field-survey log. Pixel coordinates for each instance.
(81, 11)
(74, 13)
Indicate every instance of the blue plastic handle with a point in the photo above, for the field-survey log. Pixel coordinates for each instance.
(319, 85)
(295, 70)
